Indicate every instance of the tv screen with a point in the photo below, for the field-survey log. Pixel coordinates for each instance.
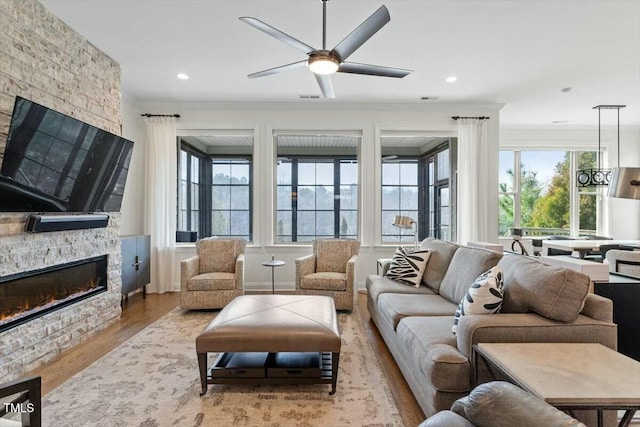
(55, 163)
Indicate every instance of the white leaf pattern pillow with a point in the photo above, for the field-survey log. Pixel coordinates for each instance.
(407, 266)
(483, 297)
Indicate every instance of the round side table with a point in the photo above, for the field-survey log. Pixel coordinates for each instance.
(273, 263)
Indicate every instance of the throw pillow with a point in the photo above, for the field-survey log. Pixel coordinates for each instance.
(407, 266)
(483, 297)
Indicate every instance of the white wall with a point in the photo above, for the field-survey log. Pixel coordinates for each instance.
(623, 214)
(263, 119)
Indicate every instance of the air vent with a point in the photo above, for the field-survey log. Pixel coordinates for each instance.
(429, 98)
(309, 96)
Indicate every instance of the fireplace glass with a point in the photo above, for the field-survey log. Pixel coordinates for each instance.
(27, 295)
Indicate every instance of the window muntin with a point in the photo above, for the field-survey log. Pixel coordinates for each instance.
(538, 193)
(316, 186)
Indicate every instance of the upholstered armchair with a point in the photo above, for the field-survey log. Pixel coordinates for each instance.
(624, 262)
(330, 271)
(214, 276)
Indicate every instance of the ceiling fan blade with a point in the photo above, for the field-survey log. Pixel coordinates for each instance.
(361, 34)
(325, 85)
(372, 70)
(266, 28)
(279, 69)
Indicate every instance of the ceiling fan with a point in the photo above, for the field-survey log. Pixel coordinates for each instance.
(323, 62)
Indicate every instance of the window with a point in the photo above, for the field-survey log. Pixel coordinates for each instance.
(538, 193)
(215, 185)
(317, 186)
(415, 183)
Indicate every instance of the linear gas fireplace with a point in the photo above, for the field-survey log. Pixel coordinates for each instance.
(27, 295)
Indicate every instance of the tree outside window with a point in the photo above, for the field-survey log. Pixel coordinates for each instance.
(538, 191)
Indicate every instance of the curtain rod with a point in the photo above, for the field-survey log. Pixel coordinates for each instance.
(177, 116)
(477, 117)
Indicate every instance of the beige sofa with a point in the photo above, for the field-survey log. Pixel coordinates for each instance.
(542, 303)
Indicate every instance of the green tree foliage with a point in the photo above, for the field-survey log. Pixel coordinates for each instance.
(550, 208)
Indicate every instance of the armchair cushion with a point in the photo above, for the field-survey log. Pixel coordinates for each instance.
(212, 282)
(324, 281)
(553, 292)
(333, 254)
(218, 255)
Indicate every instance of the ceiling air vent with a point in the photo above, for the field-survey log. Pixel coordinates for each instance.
(429, 98)
(309, 96)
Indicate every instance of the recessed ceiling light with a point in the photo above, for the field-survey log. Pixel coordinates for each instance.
(451, 79)
(565, 89)
(429, 98)
(182, 76)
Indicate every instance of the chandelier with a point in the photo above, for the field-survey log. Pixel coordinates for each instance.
(598, 176)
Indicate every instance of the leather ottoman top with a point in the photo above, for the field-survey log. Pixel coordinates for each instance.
(273, 323)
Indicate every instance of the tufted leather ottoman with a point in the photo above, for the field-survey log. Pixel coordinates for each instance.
(271, 324)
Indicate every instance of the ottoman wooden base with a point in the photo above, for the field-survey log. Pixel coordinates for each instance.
(272, 339)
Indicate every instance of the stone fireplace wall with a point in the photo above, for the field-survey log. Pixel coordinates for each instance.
(44, 60)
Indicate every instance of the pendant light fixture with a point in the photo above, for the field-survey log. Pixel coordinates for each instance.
(625, 182)
(598, 176)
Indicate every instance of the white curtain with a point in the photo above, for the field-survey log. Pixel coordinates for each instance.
(160, 204)
(473, 177)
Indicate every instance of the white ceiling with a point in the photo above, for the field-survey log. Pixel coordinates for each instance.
(521, 53)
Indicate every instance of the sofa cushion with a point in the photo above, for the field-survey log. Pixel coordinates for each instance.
(377, 285)
(556, 293)
(407, 266)
(324, 281)
(446, 419)
(212, 282)
(483, 297)
(433, 348)
(466, 265)
(393, 307)
(441, 254)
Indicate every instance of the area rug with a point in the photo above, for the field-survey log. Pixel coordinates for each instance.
(152, 380)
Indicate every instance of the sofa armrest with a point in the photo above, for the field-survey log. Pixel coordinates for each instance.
(304, 265)
(446, 419)
(188, 268)
(239, 272)
(501, 404)
(531, 327)
(384, 266)
(598, 307)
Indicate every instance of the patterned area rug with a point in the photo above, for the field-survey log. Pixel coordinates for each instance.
(152, 380)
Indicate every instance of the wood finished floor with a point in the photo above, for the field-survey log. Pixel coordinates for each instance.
(140, 313)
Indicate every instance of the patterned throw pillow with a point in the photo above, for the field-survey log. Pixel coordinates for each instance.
(407, 266)
(483, 297)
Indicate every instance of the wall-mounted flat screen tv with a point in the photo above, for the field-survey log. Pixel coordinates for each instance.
(55, 163)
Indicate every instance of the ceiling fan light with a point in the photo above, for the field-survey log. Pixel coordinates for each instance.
(323, 63)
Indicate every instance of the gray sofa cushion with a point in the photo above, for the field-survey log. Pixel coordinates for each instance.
(377, 285)
(433, 348)
(466, 265)
(441, 254)
(393, 307)
(553, 292)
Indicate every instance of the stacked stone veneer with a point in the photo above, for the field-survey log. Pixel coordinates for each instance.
(47, 62)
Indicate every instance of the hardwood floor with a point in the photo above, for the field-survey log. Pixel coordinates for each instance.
(139, 313)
